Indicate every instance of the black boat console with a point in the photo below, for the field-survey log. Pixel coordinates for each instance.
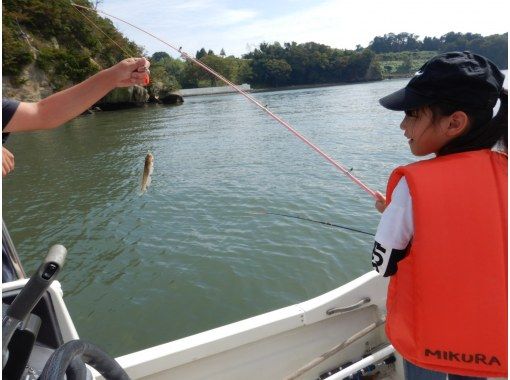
(39, 340)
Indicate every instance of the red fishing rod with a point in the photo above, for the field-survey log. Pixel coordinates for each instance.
(246, 95)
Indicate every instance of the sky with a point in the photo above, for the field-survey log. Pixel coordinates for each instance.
(240, 26)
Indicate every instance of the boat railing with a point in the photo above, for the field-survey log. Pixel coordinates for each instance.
(346, 309)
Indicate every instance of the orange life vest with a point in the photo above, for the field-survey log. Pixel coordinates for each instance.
(447, 303)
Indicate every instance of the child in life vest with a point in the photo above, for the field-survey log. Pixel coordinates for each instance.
(443, 234)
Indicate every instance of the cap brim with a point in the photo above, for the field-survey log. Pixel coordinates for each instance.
(405, 99)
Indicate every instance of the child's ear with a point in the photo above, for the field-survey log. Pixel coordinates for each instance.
(458, 124)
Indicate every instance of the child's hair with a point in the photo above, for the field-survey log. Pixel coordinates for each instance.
(484, 131)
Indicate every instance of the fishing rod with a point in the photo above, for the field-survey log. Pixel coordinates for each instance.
(315, 221)
(247, 96)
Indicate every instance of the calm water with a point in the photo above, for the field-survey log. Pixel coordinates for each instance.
(193, 253)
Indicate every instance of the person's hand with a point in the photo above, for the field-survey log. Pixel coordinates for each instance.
(130, 72)
(7, 162)
(380, 203)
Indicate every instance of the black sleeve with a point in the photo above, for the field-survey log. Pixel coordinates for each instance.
(9, 107)
(385, 259)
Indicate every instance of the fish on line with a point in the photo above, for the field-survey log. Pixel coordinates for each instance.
(147, 171)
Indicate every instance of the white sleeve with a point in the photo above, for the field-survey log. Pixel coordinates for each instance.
(394, 232)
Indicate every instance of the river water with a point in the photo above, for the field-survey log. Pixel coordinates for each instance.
(195, 252)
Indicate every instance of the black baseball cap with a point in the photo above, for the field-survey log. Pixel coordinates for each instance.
(460, 78)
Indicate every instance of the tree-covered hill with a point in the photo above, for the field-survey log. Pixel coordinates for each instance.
(53, 39)
(271, 65)
(310, 63)
(494, 47)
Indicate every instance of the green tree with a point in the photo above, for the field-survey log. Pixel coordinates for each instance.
(163, 81)
(310, 63)
(244, 71)
(494, 47)
(406, 66)
(272, 72)
(395, 43)
(216, 63)
(16, 53)
(159, 56)
(431, 43)
(201, 53)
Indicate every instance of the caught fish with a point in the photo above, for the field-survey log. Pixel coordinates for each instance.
(147, 171)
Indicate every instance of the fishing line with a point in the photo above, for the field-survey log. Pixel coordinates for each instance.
(128, 54)
(246, 95)
(316, 221)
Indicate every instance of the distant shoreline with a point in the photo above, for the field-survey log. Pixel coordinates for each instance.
(319, 85)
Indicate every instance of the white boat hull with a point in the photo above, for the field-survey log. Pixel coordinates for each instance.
(272, 345)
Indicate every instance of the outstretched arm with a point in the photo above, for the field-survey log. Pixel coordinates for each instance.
(62, 106)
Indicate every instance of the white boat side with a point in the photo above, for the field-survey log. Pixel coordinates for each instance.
(272, 345)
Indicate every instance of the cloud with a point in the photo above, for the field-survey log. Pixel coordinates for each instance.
(215, 24)
(344, 25)
(192, 5)
(233, 16)
(186, 14)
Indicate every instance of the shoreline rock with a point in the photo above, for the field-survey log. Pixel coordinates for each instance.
(32, 85)
(122, 98)
(172, 99)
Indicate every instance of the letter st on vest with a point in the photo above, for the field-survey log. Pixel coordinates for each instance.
(463, 357)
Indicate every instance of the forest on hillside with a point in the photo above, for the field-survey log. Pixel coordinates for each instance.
(273, 65)
(494, 47)
(68, 49)
(311, 63)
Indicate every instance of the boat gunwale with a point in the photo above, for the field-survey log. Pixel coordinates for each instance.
(183, 351)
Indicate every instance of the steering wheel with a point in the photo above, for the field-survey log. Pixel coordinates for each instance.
(63, 357)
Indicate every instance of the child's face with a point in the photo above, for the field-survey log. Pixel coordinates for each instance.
(424, 137)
